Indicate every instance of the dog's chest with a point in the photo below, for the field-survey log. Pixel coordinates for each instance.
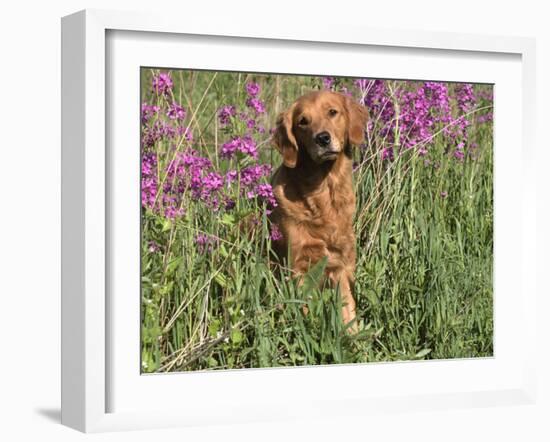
(316, 224)
(334, 204)
(326, 214)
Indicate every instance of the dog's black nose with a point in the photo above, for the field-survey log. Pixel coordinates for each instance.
(322, 139)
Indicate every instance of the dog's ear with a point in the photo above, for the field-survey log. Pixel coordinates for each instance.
(284, 139)
(357, 120)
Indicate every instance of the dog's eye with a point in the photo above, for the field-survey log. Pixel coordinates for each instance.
(302, 121)
(332, 112)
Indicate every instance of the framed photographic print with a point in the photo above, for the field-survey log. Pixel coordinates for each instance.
(299, 210)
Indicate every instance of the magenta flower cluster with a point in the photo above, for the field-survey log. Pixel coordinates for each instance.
(254, 108)
(225, 114)
(205, 242)
(163, 120)
(329, 83)
(245, 145)
(404, 118)
(252, 89)
(163, 130)
(148, 111)
(174, 174)
(175, 112)
(256, 105)
(162, 84)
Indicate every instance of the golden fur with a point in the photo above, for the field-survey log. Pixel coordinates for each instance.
(314, 188)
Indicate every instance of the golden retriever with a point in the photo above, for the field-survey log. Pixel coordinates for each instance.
(314, 188)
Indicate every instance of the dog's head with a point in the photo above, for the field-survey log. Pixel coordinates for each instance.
(321, 124)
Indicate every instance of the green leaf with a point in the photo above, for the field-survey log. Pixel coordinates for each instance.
(166, 224)
(214, 327)
(422, 353)
(236, 336)
(220, 279)
(223, 251)
(173, 265)
(166, 288)
(228, 219)
(243, 214)
(313, 278)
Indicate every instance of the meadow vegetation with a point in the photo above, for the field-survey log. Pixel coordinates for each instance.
(214, 297)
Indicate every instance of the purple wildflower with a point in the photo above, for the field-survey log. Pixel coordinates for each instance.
(415, 119)
(387, 153)
(256, 104)
(485, 94)
(252, 89)
(149, 185)
(147, 112)
(328, 82)
(185, 132)
(229, 204)
(459, 155)
(172, 212)
(225, 113)
(275, 233)
(245, 145)
(465, 97)
(212, 181)
(265, 192)
(459, 151)
(175, 112)
(160, 130)
(253, 174)
(153, 247)
(162, 83)
(485, 118)
(231, 176)
(191, 174)
(205, 242)
(250, 123)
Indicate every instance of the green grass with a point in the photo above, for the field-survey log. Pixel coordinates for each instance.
(424, 260)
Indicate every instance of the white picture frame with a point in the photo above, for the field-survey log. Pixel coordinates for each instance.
(87, 319)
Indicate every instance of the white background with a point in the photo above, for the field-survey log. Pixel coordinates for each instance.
(30, 221)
